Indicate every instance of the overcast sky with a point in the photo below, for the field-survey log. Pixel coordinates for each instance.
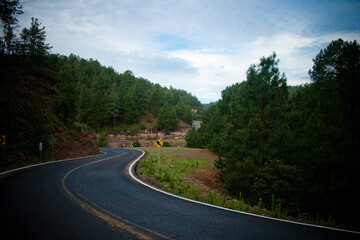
(200, 46)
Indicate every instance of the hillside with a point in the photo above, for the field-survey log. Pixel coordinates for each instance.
(29, 106)
(72, 98)
(47, 95)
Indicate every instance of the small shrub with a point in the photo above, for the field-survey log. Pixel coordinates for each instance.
(214, 199)
(280, 212)
(166, 144)
(142, 126)
(102, 141)
(194, 194)
(136, 144)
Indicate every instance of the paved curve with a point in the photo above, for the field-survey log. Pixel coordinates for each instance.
(94, 198)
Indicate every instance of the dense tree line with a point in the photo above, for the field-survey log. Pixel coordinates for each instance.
(300, 146)
(97, 95)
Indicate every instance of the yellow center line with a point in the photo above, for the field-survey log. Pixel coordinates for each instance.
(113, 221)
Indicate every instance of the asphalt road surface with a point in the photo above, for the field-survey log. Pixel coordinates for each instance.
(95, 198)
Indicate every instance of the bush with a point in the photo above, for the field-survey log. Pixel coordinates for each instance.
(166, 144)
(193, 139)
(102, 141)
(136, 144)
(142, 126)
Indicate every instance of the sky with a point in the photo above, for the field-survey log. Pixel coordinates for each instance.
(200, 46)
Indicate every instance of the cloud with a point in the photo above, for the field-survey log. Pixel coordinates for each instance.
(296, 51)
(200, 46)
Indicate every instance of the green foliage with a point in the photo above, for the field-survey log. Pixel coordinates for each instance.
(142, 126)
(88, 92)
(43, 94)
(131, 114)
(170, 173)
(136, 144)
(299, 146)
(193, 139)
(97, 95)
(102, 140)
(214, 199)
(325, 122)
(248, 124)
(183, 112)
(238, 204)
(277, 178)
(33, 40)
(194, 194)
(8, 12)
(187, 116)
(166, 144)
(167, 119)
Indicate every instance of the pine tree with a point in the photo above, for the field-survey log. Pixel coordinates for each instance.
(187, 116)
(131, 114)
(167, 119)
(33, 39)
(8, 11)
(114, 104)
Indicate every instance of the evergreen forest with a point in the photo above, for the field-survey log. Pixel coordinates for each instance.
(293, 146)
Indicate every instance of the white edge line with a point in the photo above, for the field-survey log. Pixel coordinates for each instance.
(45, 163)
(226, 209)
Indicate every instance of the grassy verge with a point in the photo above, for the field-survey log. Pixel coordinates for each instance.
(191, 173)
(186, 172)
(169, 174)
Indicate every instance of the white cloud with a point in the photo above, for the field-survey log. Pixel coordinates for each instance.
(200, 46)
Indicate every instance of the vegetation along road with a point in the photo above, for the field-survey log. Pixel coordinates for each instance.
(96, 198)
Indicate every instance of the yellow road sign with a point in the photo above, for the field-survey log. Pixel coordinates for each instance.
(2, 139)
(158, 143)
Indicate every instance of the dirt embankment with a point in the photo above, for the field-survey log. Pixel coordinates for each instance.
(177, 139)
(31, 110)
(73, 143)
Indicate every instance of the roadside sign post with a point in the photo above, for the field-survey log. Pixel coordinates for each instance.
(52, 141)
(159, 144)
(40, 149)
(2, 142)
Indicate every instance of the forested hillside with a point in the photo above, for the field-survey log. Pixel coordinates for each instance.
(296, 148)
(98, 95)
(44, 94)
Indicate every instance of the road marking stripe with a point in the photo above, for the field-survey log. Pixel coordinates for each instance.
(222, 208)
(112, 221)
(46, 163)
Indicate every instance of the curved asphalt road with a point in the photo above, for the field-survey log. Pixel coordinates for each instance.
(95, 198)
